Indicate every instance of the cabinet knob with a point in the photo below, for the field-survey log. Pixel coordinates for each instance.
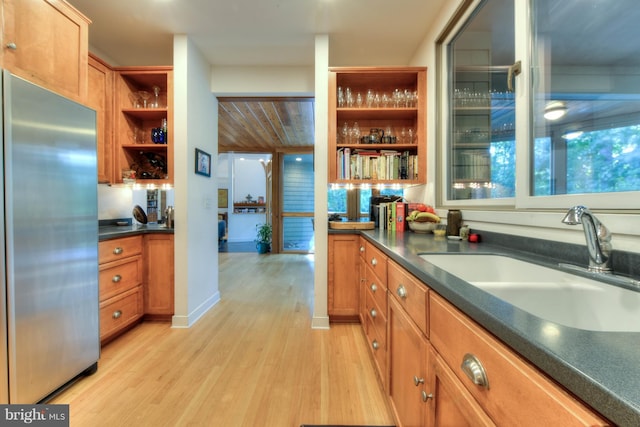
(116, 314)
(417, 381)
(374, 287)
(361, 249)
(426, 396)
(373, 313)
(116, 278)
(118, 250)
(473, 369)
(401, 291)
(11, 46)
(374, 261)
(375, 345)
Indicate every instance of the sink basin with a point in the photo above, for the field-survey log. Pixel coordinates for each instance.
(549, 294)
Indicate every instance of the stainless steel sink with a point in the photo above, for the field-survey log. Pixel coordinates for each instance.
(554, 295)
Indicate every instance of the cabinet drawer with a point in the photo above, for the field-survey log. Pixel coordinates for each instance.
(362, 248)
(377, 288)
(120, 311)
(378, 345)
(119, 276)
(517, 394)
(410, 293)
(378, 317)
(111, 250)
(377, 260)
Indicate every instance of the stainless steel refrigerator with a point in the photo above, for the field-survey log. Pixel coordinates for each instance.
(49, 310)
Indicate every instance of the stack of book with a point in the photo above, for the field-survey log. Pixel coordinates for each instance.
(376, 164)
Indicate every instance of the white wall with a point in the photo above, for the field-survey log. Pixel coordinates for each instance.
(321, 155)
(196, 245)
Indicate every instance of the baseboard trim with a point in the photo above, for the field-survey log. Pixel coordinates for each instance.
(190, 319)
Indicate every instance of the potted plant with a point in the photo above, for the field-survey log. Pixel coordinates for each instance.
(263, 238)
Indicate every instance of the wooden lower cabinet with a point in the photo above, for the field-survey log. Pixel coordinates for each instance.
(427, 342)
(120, 282)
(159, 276)
(407, 359)
(343, 290)
(450, 404)
(515, 392)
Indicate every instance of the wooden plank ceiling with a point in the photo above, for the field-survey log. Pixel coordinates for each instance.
(265, 125)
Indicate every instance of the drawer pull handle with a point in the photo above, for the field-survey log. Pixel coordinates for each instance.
(116, 278)
(361, 249)
(374, 261)
(417, 381)
(473, 369)
(373, 313)
(12, 46)
(375, 345)
(401, 291)
(118, 250)
(116, 314)
(373, 287)
(426, 396)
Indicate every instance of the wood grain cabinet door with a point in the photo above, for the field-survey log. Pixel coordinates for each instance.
(100, 98)
(159, 276)
(343, 277)
(47, 43)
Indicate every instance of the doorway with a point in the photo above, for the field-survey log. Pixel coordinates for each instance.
(296, 202)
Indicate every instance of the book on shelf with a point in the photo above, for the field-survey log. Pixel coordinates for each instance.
(381, 165)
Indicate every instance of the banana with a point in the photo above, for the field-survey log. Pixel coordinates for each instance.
(427, 217)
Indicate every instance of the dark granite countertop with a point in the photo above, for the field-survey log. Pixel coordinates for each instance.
(601, 368)
(108, 232)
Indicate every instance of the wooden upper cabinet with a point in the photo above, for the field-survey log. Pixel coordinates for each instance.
(100, 98)
(46, 42)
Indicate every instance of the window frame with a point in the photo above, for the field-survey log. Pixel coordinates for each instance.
(523, 200)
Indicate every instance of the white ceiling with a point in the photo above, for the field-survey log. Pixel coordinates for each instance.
(259, 32)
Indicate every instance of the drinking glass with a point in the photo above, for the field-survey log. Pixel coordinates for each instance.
(144, 95)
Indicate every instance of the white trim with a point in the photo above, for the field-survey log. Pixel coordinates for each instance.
(195, 315)
(320, 322)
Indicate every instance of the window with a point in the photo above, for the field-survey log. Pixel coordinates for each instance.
(482, 139)
(568, 127)
(337, 199)
(589, 76)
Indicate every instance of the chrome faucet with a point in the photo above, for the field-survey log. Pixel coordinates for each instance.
(597, 235)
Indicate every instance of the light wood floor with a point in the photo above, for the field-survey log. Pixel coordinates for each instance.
(252, 360)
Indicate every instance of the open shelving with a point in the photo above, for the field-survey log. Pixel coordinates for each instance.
(377, 160)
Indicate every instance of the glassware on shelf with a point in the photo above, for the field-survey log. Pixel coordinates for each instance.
(136, 136)
(341, 100)
(370, 98)
(144, 96)
(345, 133)
(348, 97)
(355, 133)
(156, 94)
(135, 99)
(359, 100)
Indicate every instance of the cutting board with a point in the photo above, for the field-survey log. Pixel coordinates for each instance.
(351, 225)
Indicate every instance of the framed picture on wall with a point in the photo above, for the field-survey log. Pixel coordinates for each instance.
(203, 163)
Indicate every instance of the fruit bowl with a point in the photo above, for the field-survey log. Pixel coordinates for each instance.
(422, 227)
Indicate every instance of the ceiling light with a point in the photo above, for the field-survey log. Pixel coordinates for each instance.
(298, 159)
(572, 134)
(555, 110)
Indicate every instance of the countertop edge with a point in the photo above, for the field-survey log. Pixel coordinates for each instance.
(115, 231)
